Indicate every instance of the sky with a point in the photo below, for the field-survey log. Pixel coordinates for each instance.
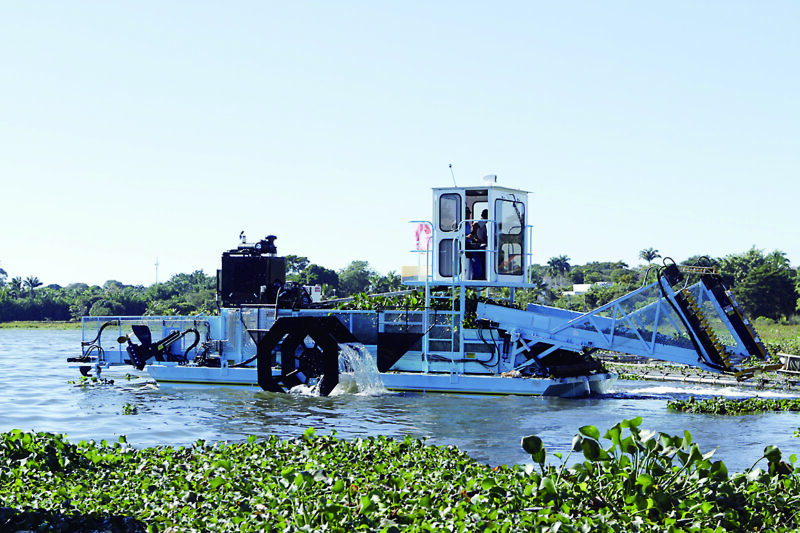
(140, 132)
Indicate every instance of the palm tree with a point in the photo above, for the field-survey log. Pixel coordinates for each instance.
(32, 282)
(648, 254)
(558, 266)
(15, 286)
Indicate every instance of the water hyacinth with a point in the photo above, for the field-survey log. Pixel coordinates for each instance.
(654, 481)
(726, 406)
(642, 481)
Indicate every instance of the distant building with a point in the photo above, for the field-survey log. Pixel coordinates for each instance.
(315, 291)
(583, 288)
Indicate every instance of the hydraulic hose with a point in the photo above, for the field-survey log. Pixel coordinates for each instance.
(94, 344)
(194, 344)
(114, 322)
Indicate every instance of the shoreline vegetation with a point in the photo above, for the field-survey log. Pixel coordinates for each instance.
(33, 324)
(764, 285)
(628, 479)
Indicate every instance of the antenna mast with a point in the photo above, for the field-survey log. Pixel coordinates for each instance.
(453, 175)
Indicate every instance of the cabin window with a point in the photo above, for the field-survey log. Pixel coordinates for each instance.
(510, 259)
(510, 216)
(510, 231)
(447, 266)
(449, 212)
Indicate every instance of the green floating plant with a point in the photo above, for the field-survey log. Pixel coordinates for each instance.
(652, 481)
(627, 479)
(91, 381)
(726, 406)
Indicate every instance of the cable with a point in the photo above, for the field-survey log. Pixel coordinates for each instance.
(647, 274)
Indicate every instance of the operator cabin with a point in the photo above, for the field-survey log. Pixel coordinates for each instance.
(449, 251)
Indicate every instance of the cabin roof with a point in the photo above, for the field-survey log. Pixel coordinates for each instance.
(480, 187)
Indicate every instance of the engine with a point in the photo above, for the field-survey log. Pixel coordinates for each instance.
(254, 274)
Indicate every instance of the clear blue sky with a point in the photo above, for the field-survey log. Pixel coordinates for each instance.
(143, 130)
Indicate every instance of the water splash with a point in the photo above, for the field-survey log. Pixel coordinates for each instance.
(305, 390)
(672, 390)
(358, 372)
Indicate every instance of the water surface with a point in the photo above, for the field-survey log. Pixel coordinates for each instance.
(35, 394)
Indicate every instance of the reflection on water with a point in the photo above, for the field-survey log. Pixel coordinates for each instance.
(35, 395)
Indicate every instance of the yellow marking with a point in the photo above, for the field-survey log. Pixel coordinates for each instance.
(698, 269)
(208, 383)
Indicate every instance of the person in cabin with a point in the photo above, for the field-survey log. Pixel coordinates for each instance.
(479, 239)
(469, 242)
(480, 231)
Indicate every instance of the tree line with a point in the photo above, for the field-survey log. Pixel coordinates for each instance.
(765, 285)
(183, 294)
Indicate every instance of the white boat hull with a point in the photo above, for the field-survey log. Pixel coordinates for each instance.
(572, 387)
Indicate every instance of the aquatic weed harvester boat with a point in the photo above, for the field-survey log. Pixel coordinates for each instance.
(273, 335)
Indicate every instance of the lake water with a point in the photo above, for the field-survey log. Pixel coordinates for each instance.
(35, 394)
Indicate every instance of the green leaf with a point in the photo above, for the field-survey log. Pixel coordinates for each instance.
(645, 481)
(628, 445)
(718, 470)
(772, 454)
(687, 438)
(614, 434)
(367, 505)
(547, 485)
(338, 486)
(631, 423)
(591, 449)
(694, 453)
(590, 431)
(302, 479)
(216, 482)
(224, 464)
(534, 446)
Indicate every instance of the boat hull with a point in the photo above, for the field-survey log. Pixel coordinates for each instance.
(418, 382)
(575, 387)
